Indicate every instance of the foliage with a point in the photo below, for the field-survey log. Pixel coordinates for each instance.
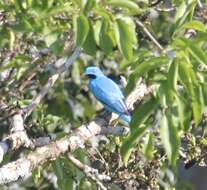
(34, 34)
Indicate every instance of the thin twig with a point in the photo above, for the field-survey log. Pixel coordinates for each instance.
(165, 9)
(90, 172)
(36, 100)
(146, 31)
(200, 5)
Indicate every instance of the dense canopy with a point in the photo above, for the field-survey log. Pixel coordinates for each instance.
(56, 135)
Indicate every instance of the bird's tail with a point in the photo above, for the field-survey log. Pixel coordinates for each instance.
(126, 118)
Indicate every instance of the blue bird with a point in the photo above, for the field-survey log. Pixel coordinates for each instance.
(108, 93)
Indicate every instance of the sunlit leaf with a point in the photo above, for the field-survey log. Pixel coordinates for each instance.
(130, 142)
(97, 28)
(64, 179)
(106, 41)
(180, 11)
(124, 38)
(149, 146)
(81, 29)
(183, 112)
(76, 74)
(184, 14)
(102, 11)
(173, 75)
(170, 138)
(131, 6)
(198, 53)
(142, 112)
(183, 74)
(144, 68)
(190, 82)
(197, 25)
(85, 184)
(50, 38)
(89, 5)
(49, 12)
(90, 44)
(36, 174)
(12, 39)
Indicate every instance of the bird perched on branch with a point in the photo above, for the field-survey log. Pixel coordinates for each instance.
(108, 93)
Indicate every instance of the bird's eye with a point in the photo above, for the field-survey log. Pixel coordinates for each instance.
(91, 76)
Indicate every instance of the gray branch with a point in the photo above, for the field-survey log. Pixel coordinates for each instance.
(18, 136)
(24, 166)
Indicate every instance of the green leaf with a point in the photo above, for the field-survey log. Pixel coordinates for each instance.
(130, 142)
(181, 10)
(18, 5)
(12, 39)
(151, 64)
(49, 12)
(143, 68)
(197, 111)
(142, 113)
(18, 62)
(204, 90)
(183, 75)
(103, 12)
(124, 37)
(173, 75)
(64, 180)
(183, 14)
(97, 28)
(57, 47)
(81, 29)
(183, 108)
(131, 6)
(57, 167)
(169, 88)
(36, 174)
(191, 83)
(24, 25)
(90, 43)
(105, 37)
(169, 138)
(198, 53)
(76, 73)
(194, 49)
(85, 184)
(194, 24)
(50, 38)
(148, 146)
(166, 94)
(89, 5)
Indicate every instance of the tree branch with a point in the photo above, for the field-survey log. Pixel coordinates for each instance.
(18, 136)
(24, 166)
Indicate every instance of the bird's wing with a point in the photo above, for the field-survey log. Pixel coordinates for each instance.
(109, 93)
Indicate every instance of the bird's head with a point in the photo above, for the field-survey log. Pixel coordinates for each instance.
(93, 72)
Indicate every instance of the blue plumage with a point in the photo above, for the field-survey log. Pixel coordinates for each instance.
(108, 93)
